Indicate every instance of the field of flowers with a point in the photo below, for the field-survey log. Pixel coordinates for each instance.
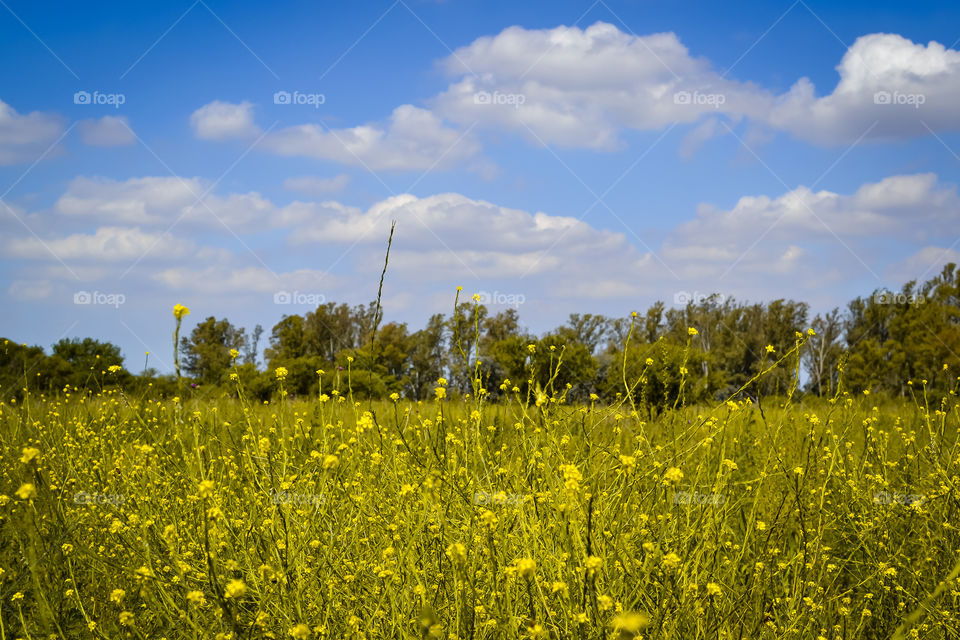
(460, 517)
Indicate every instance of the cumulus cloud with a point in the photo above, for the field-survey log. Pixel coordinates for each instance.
(224, 121)
(902, 86)
(447, 235)
(923, 264)
(25, 137)
(155, 200)
(802, 238)
(582, 87)
(108, 131)
(225, 280)
(107, 244)
(412, 139)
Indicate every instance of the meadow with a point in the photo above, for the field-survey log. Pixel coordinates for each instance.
(458, 516)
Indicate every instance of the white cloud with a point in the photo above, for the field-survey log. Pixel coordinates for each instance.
(315, 186)
(107, 244)
(224, 121)
(450, 235)
(225, 280)
(413, 139)
(765, 245)
(916, 86)
(24, 138)
(108, 131)
(30, 289)
(924, 264)
(580, 87)
(162, 201)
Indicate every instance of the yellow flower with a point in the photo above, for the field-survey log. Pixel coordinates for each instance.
(300, 631)
(629, 624)
(671, 560)
(440, 392)
(561, 588)
(126, 618)
(395, 396)
(769, 348)
(605, 603)
(281, 373)
(457, 552)
(673, 476)
(649, 362)
(692, 331)
(628, 461)
(593, 563)
(205, 488)
(235, 589)
(114, 368)
(196, 598)
(29, 454)
(179, 311)
(532, 348)
(330, 461)
(234, 354)
(525, 567)
(117, 595)
(26, 491)
(713, 589)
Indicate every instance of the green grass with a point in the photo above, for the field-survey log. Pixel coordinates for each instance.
(831, 519)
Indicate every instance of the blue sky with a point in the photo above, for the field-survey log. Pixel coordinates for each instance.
(563, 157)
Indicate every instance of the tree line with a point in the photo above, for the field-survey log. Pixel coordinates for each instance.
(888, 342)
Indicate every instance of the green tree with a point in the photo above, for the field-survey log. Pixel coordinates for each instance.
(206, 352)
